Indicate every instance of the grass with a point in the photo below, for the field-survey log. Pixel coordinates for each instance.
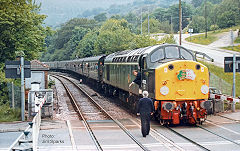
(212, 36)
(234, 48)
(200, 39)
(228, 77)
(227, 29)
(237, 40)
(8, 114)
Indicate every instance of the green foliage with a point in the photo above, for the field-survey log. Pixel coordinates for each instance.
(228, 77)
(154, 26)
(114, 36)
(228, 13)
(197, 3)
(85, 47)
(67, 30)
(100, 17)
(237, 40)
(8, 114)
(163, 14)
(51, 83)
(219, 14)
(214, 27)
(233, 48)
(200, 39)
(20, 29)
(168, 39)
(63, 43)
(197, 24)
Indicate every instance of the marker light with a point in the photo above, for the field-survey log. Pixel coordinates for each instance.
(204, 89)
(164, 90)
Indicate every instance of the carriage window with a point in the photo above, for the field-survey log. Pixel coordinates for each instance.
(185, 54)
(157, 55)
(172, 52)
(129, 58)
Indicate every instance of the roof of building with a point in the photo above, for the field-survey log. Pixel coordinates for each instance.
(36, 65)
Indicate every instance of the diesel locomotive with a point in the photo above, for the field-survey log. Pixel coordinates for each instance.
(177, 83)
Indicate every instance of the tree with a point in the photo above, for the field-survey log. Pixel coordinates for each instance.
(21, 29)
(70, 46)
(228, 13)
(197, 24)
(100, 17)
(85, 47)
(114, 36)
(66, 31)
(197, 3)
(154, 26)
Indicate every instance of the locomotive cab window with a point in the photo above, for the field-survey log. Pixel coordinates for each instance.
(172, 52)
(157, 55)
(186, 55)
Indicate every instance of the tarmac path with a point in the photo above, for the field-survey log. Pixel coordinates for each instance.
(216, 53)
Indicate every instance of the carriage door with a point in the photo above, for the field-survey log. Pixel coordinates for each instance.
(143, 68)
(100, 69)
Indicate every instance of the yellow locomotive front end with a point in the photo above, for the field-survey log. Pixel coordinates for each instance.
(181, 80)
(181, 91)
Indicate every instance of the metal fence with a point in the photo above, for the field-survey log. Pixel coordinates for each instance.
(220, 84)
(14, 93)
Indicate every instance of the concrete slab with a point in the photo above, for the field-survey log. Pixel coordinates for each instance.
(52, 135)
(13, 127)
(235, 115)
(6, 139)
(9, 132)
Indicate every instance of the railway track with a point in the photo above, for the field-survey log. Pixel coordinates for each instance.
(202, 145)
(170, 145)
(85, 116)
(197, 143)
(237, 121)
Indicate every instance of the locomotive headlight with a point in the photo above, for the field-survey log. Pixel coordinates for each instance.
(164, 90)
(168, 106)
(204, 89)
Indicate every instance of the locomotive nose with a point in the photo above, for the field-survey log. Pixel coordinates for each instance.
(181, 80)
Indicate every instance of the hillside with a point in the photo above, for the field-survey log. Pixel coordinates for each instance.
(60, 11)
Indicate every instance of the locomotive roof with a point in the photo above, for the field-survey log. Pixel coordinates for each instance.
(135, 52)
(95, 58)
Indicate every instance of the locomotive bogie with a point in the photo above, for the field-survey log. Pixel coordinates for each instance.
(177, 112)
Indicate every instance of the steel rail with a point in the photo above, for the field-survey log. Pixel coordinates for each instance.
(199, 145)
(218, 135)
(237, 121)
(154, 133)
(106, 113)
(74, 103)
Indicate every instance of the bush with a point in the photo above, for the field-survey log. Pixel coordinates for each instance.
(8, 114)
(50, 83)
(214, 27)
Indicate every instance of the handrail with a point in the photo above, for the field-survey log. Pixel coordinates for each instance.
(34, 129)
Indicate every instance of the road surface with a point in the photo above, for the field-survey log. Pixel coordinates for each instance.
(216, 53)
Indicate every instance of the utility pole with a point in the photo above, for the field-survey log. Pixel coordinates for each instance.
(13, 101)
(180, 23)
(22, 88)
(148, 21)
(141, 21)
(171, 26)
(205, 16)
(234, 74)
